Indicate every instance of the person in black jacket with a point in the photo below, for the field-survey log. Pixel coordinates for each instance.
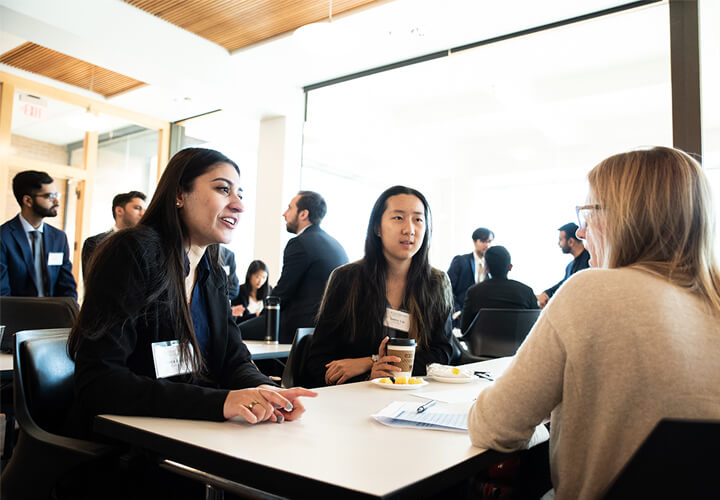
(308, 260)
(497, 291)
(249, 302)
(159, 288)
(395, 274)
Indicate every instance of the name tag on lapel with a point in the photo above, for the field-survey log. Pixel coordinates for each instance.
(55, 258)
(166, 356)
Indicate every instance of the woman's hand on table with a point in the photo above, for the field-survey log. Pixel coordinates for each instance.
(266, 403)
(342, 370)
(238, 310)
(383, 367)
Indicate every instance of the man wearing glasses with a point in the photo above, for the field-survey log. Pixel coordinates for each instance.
(34, 256)
(568, 243)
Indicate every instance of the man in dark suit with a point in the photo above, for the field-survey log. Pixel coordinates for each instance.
(568, 243)
(308, 260)
(34, 256)
(127, 210)
(497, 291)
(466, 270)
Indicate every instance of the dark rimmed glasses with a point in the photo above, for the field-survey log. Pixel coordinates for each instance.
(582, 212)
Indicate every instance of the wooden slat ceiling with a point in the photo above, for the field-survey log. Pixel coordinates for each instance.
(234, 24)
(43, 61)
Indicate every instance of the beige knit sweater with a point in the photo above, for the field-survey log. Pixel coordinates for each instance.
(614, 351)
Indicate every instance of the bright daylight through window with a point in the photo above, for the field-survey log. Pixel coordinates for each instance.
(500, 136)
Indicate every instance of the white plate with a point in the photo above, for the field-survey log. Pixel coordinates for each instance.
(401, 387)
(454, 380)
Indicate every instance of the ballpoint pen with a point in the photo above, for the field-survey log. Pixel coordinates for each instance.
(425, 406)
(485, 375)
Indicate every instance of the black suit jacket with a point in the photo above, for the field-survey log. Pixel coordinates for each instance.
(115, 373)
(17, 271)
(308, 260)
(500, 293)
(89, 248)
(462, 277)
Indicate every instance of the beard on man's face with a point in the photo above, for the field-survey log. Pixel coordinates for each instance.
(292, 225)
(43, 211)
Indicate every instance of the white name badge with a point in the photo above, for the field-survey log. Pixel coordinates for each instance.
(55, 259)
(166, 356)
(398, 320)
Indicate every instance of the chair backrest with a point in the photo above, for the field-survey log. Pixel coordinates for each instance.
(43, 378)
(677, 460)
(299, 352)
(496, 333)
(32, 313)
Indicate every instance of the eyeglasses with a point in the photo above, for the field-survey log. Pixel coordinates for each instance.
(48, 196)
(582, 213)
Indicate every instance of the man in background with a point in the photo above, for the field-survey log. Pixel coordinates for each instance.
(34, 256)
(497, 291)
(568, 243)
(469, 269)
(308, 260)
(127, 210)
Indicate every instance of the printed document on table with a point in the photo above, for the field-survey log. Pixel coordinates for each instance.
(439, 416)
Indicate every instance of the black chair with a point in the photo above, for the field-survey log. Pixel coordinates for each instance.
(34, 313)
(43, 394)
(27, 313)
(679, 459)
(299, 352)
(495, 333)
(461, 356)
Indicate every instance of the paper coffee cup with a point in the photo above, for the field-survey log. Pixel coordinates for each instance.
(405, 350)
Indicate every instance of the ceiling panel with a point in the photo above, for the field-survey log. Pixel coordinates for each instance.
(43, 61)
(234, 24)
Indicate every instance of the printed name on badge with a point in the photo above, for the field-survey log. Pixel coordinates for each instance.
(398, 320)
(55, 259)
(166, 356)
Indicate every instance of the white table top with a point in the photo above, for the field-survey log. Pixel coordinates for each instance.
(260, 350)
(6, 362)
(336, 442)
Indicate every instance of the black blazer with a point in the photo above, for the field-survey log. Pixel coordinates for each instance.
(89, 248)
(308, 260)
(330, 341)
(500, 293)
(115, 373)
(462, 277)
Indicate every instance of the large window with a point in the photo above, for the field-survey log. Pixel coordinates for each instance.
(500, 136)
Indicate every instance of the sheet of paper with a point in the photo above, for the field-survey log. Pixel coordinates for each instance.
(439, 416)
(465, 393)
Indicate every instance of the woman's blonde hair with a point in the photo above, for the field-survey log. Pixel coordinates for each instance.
(657, 214)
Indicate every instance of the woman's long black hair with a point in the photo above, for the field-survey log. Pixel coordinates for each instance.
(120, 294)
(426, 293)
(255, 266)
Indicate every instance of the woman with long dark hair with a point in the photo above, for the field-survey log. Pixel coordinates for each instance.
(249, 302)
(395, 274)
(157, 292)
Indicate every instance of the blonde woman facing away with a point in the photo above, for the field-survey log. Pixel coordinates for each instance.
(625, 345)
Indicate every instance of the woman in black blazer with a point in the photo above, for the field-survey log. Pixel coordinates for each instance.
(249, 302)
(159, 288)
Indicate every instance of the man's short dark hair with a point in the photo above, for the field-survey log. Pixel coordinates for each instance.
(483, 234)
(314, 204)
(123, 199)
(569, 229)
(29, 182)
(497, 260)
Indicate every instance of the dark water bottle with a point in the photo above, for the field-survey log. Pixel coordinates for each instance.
(272, 319)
